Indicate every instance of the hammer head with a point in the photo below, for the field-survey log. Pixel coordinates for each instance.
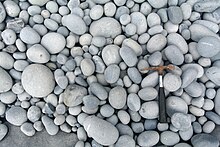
(160, 69)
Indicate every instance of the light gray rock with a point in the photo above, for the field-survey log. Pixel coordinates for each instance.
(110, 54)
(174, 55)
(198, 67)
(107, 110)
(6, 81)
(204, 140)
(157, 4)
(172, 82)
(206, 6)
(25, 34)
(156, 43)
(208, 46)
(213, 74)
(38, 80)
(103, 27)
(148, 93)
(9, 37)
(87, 67)
(217, 102)
(133, 45)
(11, 8)
(134, 75)
(34, 113)
(209, 24)
(194, 89)
(150, 80)
(100, 130)
(38, 54)
(140, 21)
(178, 40)
(169, 138)
(112, 73)
(186, 135)
(148, 138)
(20, 114)
(208, 127)
(155, 59)
(53, 42)
(38, 2)
(8, 97)
(49, 125)
(188, 76)
(182, 145)
(124, 117)
(27, 129)
(121, 95)
(175, 14)
(96, 12)
(133, 102)
(73, 95)
(125, 141)
(2, 13)
(149, 110)
(74, 23)
(91, 102)
(128, 55)
(181, 121)
(3, 131)
(98, 90)
(6, 60)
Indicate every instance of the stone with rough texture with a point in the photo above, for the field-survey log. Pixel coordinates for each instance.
(53, 42)
(25, 34)
(5, 81)
(74, 23)
(37, 80)
(203, 139)
(148, 138)
(100, 130)
(181, 121)
(73, 95)
(117, 97)
(16, 116)
(103, 27)
(172, 82)
(149, 110)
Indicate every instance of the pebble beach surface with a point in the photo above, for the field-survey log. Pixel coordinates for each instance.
(76, 66)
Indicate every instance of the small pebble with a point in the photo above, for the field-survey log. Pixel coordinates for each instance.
(28, 129)
(125, 141)
(153, 110)
(121, 95)
(112, 73)
(34, 113)
(169, 138)
(6, 81)
(133, 102)
(49, 125)
(128, 55)
(181, 121)
(148, 138)
(203, 139)
(8, 36)
(25, 34)
(172, 82)
(3, 131)
(20, 114)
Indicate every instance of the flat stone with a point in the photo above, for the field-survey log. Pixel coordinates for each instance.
(174, 55)
(121, 95)
(203, 139)
(20, 114)
(156, 43)
(148, 93)
(38, 2)
(128, 56)
(3, 131)
(172, 82)
(6, 81)
(100, 130)
(37, 80)
(25, 34)
(125, 141)
(148, 138)
(149, 110)
(134, 75)
(213, 74)
(6, 60)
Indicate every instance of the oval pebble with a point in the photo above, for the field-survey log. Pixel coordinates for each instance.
(49, 125)
(2, 13)
(133, 45)
(28, 129)
(53, 42)
(6, 81)
(213, 74)
(128, 55)
(133, 102)
(149, 110)
(8, 36)
(25, 34)
(121, 95)
(156, 43)
(110, 54)
(140, 21)
(134, 75)
(194, 89)
(34, 113)
(169, 138)
(38, 2)
(3, 131)
(87, 67)
(188, 76)
(20, 113)
(158, 3)
(6, 60)
(150, 80)
(172, 82)
(148, 138)
(98, 90)
(38, 54)
(148, 93)
(174, 55)
(125, 141)
(181, 121)
(38, 80)
(112, 73)
(100, 130)
(203, 139)
(8, 97)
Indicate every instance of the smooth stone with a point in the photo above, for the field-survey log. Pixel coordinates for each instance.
(37, 80)
(103, 27)
(155, 59)
(212, 16)
(134, 75)
(49, 125)
(213, 74)
(140, 21)
(208, 127)
(213, 117)
(208, 46)
(20, 113)
(172, 82)
(196, 111)
(74, 23)
(198, 67)
(181, 121)
(150, 80)
(203, 139)
(96, 12)
(121, 95)
(169, 138)
(125, 141)
(217, 102)
(175, 14)
(98, 90)
(186, 135)
(182, 145)
(198, 32)
(110, 54)
(158, 3)
(149, 110)
(153, 19)
(148, 138)
(25, 34)
(53, 42)
(6, 60)
(174, 55)
(6, 81)
(148, 93)
(112, 73)
(100, 130)
(9, 37)
(38, 54)
(206, 6)
(133, 45)
(156, 43)
(8, 97)
(176, 104)
(91, 102)
(27, 129)
(87, 67)
(3, 131)
(188, 76)
(73, 95)
(38, 2)
(178, 40)
(107, 110)
(128, 56)
(2, 13)
(133, 102)
(209, 24)
(34, 113)
(123, 116)
(194, 89)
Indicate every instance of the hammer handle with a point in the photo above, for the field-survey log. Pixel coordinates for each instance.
(162, 106)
